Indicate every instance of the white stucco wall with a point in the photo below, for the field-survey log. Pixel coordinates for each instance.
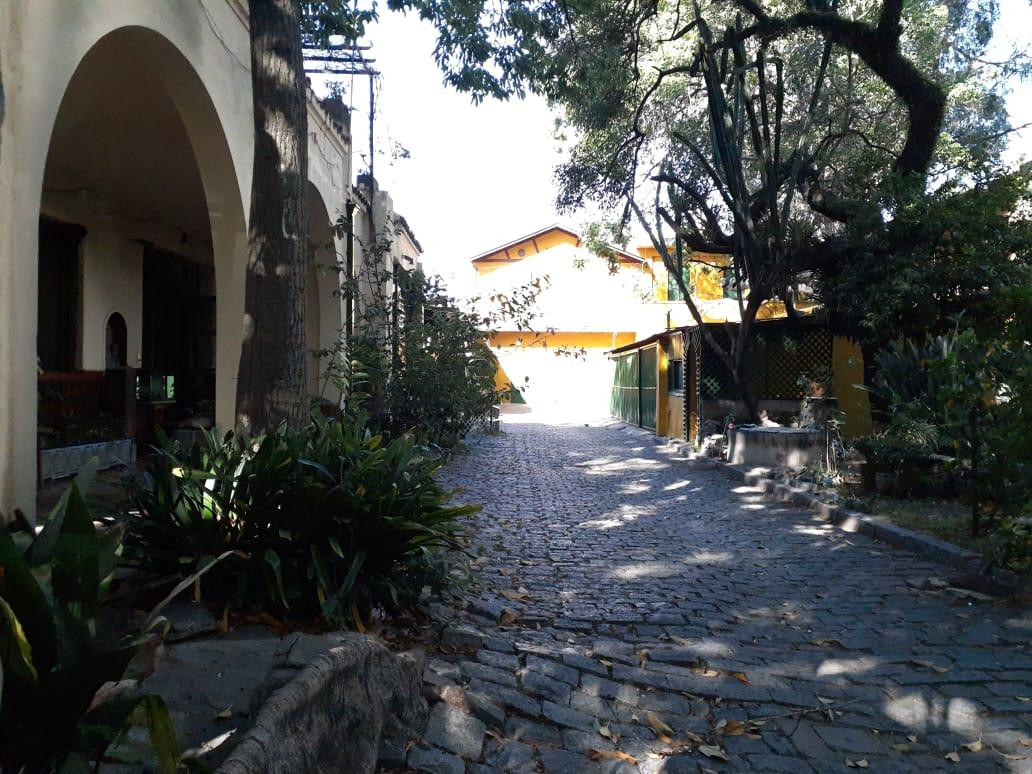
(579, 292)
(112, 281)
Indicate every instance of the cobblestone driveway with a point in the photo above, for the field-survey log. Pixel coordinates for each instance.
(657, 609)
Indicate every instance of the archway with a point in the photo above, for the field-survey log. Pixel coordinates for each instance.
(116, 342)
(323, 301)
(138, 168)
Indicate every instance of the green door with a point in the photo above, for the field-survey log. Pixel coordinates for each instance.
(624, 403)
(647, 376)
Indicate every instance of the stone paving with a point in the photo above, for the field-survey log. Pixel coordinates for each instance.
(634, 612)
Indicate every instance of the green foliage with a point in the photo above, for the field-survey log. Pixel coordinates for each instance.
(54, 715)
(325, 518)
(1013, 545)
(974, 392)
(954, 253)
(904, 441)
(323, 19)
(428, 368)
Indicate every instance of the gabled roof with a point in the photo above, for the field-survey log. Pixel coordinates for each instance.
(493, 253)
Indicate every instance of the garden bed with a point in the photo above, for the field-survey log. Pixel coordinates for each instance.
(948, 520)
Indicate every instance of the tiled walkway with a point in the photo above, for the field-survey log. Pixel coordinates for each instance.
(634, 612)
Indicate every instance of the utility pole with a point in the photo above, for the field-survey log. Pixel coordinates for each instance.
(339, 61)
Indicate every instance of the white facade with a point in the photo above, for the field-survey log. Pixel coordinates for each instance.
(134, 121)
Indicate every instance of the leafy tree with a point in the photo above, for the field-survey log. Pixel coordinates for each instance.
(959, 256)
(783, 134)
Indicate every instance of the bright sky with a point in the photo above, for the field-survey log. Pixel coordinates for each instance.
(481, 175)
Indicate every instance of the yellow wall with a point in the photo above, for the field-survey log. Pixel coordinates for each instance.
(662, 397)
(572, 339)
(708, 280)
(675, 416)
(671, 409)
(669, 405)
(847, 368)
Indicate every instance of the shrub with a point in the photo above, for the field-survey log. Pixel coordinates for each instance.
(327, 518)
(54, 709)
(1013, 545)
(902, 442)
(429, 371)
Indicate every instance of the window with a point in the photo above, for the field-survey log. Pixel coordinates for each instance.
(673, 290)
(675, 376)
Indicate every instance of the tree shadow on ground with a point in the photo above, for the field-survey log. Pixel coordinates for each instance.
(834, 650)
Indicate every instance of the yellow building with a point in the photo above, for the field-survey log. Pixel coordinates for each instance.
(673, 383)
(584, 305)
(588, 306)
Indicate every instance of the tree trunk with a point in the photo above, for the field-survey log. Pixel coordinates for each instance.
(742, 346)
(976, 526)
(271, 385)
(1, 101)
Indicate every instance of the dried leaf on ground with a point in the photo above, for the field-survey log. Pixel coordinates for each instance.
(825, 700)
(658, 725)
(611, 755)
(507, 617)
(829, 643)
(974, 746)
(515, 596)
(226, 713)
(710, 751)
(731, 727)
(952, 756)
(741, 677)
(604, 730)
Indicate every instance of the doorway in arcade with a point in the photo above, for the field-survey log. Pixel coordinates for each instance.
(175, 386)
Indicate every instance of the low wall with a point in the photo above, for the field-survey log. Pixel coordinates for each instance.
(786, 447)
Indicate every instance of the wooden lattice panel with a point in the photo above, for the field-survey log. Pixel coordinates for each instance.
(780, 355)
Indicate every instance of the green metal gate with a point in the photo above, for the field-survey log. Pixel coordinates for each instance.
(634, 387)
(647, 373)
(625, 401)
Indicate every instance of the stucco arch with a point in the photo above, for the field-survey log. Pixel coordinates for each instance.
(218, 173)
(323, 304)
(201, 64)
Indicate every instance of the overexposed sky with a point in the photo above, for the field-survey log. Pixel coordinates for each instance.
(481, 175)
(477, 176)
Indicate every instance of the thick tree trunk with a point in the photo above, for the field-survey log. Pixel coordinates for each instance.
(271, 386)
(1, 103)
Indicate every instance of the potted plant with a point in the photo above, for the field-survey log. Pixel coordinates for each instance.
(895, 457)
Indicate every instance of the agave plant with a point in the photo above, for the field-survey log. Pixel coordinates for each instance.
(63, 701)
